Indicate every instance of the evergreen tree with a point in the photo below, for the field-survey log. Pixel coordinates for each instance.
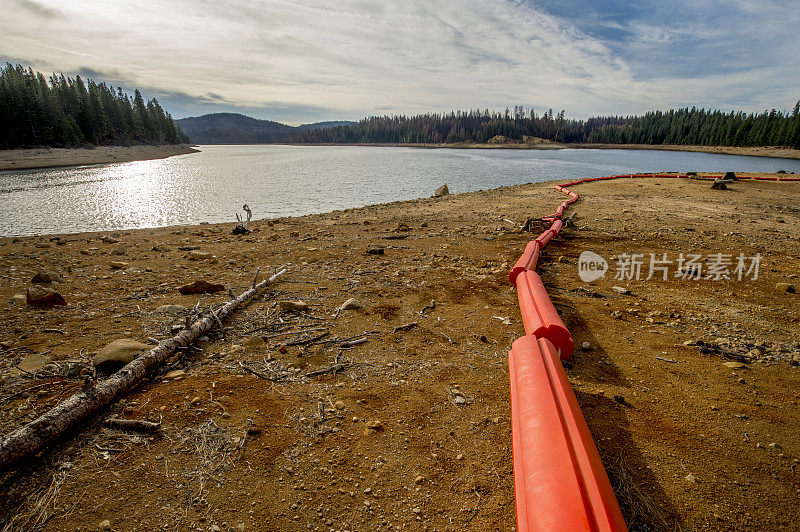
(61, 111)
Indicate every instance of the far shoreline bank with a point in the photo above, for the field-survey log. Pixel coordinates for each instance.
(748, 151)
(40, 158)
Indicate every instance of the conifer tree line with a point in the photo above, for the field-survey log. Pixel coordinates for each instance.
(683, 126)
(68, 112)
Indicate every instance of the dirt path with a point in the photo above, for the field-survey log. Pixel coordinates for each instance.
(692, 442)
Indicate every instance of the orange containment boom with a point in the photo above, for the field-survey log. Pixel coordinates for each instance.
(540, 316)
(559, 480)
(527, 261)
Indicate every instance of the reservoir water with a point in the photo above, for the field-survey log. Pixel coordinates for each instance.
(211, 186)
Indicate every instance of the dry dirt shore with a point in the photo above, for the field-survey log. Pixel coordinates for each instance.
(57, 157)
(413, 431)
(752, 151)
(538, 145)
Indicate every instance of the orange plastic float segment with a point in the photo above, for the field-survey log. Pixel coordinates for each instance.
(539, 316)
(527, 261)
(556, 227)
(560, 483)
(544, 238)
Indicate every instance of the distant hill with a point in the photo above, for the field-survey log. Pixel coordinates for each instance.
(235, 128)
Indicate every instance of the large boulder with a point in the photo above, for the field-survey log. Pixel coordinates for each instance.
(441, 191)
(118, 353)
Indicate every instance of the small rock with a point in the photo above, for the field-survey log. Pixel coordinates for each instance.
(441, 191)
(42, 277)
(18, 298)
(734, 365)
(195, 401)
(254, 343)
(31, 364)
(691, 478)
(118, 265)
(338, 405)
(282, 349)
(37, 296)
(350, 304)
(375, 425)
(785, 288)
(104, 526)
(416, 510)
(118, 353)
(109, 239)
(375, 251)
(419, 480)
(200, 287)
(202, 255)
(175, 374)
(621, 290)
(586, 346)
(172, 310)
(294, 306)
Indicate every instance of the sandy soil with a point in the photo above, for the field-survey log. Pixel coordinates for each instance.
(695, 443)
(752, 151)
(55, 157)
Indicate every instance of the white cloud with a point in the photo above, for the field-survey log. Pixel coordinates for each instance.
(351, 57)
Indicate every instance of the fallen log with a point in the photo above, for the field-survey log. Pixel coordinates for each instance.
(69, 413)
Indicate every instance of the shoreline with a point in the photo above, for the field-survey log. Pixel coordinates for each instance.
(749, 151)
(774, 152)
(39, 158)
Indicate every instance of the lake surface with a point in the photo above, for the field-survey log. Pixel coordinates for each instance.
(211, 186)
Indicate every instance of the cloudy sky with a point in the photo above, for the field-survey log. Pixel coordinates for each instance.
(303, 61)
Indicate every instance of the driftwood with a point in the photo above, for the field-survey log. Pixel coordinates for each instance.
(242, 227)
(69, 413)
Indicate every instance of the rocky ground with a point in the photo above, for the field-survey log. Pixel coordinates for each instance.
(393, 413)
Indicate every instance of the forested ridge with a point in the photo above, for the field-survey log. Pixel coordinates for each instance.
(68, 112)
(682, 126)
(235, 128)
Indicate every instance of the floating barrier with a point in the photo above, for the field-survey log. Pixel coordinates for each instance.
(539, 316)
(559, 479)
(527, 261)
